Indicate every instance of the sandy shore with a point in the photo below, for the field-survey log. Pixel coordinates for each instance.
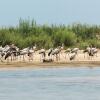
(80, 60)
(17, 65)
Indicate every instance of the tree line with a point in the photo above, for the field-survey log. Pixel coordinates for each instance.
(28, 33)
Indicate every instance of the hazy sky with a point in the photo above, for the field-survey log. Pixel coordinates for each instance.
(50, 11)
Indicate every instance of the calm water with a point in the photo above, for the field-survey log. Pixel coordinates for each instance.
(50, 84)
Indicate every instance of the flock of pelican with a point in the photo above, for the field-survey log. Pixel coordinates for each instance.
(12, 53)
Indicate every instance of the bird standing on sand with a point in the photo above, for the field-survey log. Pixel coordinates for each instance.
(74, 50)
(67, 52)
(56, 52)
(43, 54)
(72, 57)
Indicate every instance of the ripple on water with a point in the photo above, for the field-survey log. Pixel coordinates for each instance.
(46, 84)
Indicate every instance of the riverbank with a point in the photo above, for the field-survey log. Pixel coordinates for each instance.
(80, 60)
(50, 65)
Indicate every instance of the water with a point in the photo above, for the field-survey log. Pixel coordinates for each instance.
(82, 83)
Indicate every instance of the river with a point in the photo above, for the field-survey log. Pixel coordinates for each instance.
(71, 83)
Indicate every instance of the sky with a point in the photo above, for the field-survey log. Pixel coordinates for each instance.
(50, 11)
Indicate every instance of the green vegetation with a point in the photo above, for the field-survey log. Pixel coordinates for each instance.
(28, 33)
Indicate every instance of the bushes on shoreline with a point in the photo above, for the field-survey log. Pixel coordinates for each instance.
(28, 33)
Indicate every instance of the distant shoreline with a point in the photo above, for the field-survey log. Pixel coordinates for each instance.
(50, 65)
